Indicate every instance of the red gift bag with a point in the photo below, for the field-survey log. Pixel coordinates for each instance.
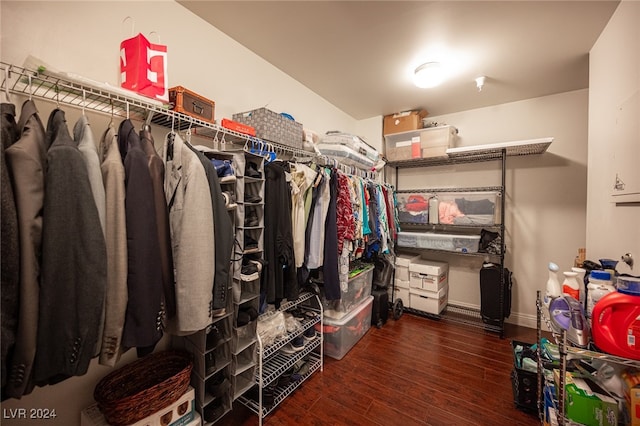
(143, 67)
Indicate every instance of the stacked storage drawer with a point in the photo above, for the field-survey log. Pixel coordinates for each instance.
(428, 286)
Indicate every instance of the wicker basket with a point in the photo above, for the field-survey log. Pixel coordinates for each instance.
(143, 387)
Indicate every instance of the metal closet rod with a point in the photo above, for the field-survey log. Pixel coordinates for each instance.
(63, 90)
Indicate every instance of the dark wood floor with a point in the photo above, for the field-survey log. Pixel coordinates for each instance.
(413, 371)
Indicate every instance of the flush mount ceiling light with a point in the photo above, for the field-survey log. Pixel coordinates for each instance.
(427, 75)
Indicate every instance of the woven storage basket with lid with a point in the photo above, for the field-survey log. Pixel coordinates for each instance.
(143, 387)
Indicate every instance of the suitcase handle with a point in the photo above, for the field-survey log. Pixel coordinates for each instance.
(197, 108)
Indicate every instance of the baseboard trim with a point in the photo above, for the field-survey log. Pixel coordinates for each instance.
(523, 320)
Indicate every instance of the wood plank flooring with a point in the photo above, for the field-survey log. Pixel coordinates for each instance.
(413, 371)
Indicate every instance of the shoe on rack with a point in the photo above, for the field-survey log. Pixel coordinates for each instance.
(309, 334)
(213, 337)
(269, 395)
(251, 170)
(248, 198)
(250, 243)
(243, 318)
(209, 362)
(251, 219)
(218, 386)
(213, 411)
(229, 200)
(217, 313)
(249, 272)
(224, 170)
(296, 345)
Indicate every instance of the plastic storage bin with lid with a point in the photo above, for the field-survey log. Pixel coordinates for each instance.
(358, 288)
(340, 335)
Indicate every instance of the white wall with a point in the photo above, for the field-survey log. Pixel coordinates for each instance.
(614, 76)
(84, 38)
(546, 194)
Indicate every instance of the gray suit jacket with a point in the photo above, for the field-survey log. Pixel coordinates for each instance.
(191, 220)
(10, 257)
(83, 136)
(26, 161)
(74, 263)
(116, 227)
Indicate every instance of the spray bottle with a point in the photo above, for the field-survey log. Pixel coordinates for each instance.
(553, 285)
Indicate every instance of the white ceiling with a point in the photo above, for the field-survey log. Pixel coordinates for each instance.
(359, 55)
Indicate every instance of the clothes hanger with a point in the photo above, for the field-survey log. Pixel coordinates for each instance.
(111, 122)
(6, 85)
(84, 102)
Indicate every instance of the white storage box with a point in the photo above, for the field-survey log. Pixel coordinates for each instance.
(399, 293)
(342, 335)
(434, 241)
(428, 275)
(180, 413)
(402, 283)
(402, 265)
(432, 302)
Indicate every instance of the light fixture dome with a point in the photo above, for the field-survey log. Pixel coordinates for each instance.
(429, 74)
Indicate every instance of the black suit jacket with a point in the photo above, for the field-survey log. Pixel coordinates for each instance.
(143, 321)
(10, 274)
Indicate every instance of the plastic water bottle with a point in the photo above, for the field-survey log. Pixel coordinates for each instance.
(433, 210)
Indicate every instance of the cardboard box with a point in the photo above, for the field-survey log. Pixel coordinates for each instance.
(586, 403)
(429, 267)
(402, 266)
(180, 413)
(399, 293)
(402, 284)
(429, 301)
(403, 121)
(427, 282)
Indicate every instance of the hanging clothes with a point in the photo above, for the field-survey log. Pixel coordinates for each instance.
(192, 236)
(74, 266)
(330, 271)
(317, 237)
(143, 320)
(26, 163)
(302, 177)
(281, 279)
(10, 272)
(303, 272)
(83, 136)
(344, 212)
(223, 234)
(163, 232)
(113, 175)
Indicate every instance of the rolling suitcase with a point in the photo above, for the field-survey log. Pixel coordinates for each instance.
(490, 294)
(380, 308)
